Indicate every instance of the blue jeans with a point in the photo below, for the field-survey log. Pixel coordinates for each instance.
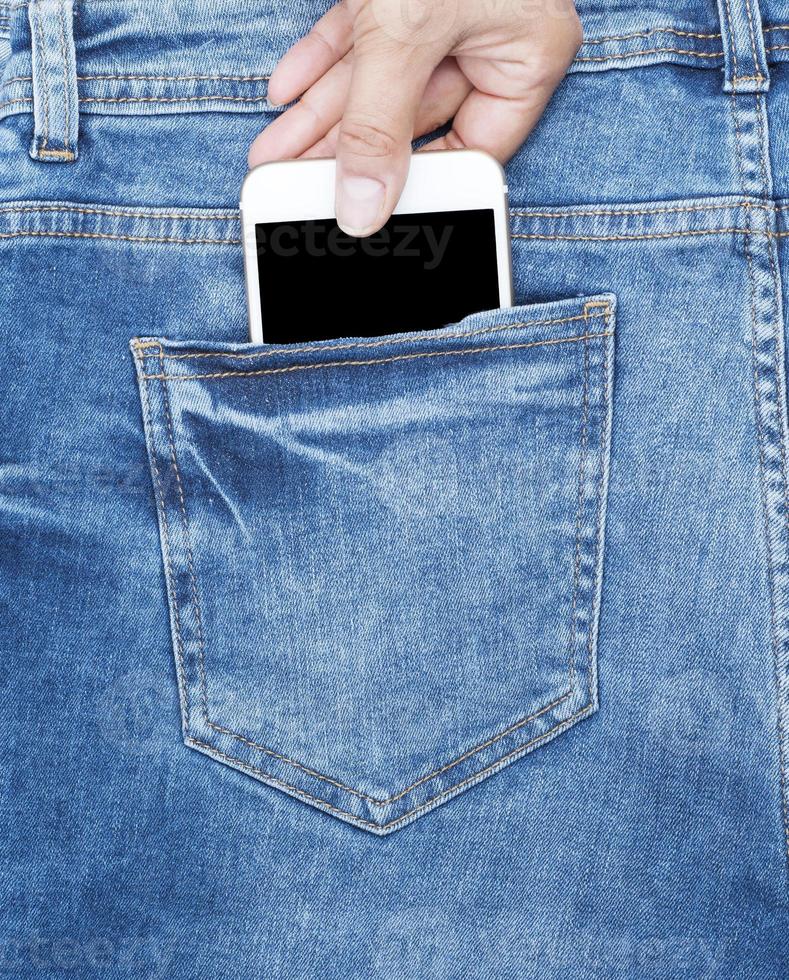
(448, 655)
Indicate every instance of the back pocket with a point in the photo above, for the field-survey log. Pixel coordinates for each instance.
(383, 557)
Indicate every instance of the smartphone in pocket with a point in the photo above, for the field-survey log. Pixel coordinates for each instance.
(444, 253)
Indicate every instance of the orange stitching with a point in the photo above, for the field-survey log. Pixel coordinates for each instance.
(777, 27)
(383, 343)
(63, 154)
(160, 505)
(43, 74)
(623, 212)
(424, 779)
(66, 84)
(68, 209)
(579, 512)
(499, 763)
(778, 47)
(732, 36)
(748, 78)
(154, 78)
(379, 360)
(185, 98)
(14, 102)
(187, 537)
(753, 36)
(175, 78)
(638, 238)
(649, 33)
(640, 54)
(29, 233)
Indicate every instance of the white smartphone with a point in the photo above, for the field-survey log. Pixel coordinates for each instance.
(443, 255)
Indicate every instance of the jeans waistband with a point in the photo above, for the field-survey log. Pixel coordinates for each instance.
(59, 58)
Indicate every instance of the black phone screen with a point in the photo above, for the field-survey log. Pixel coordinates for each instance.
(420, 272)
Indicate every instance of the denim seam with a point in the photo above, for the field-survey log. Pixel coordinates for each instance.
(579, 512)
(188, 540)
(784, 474)
(169, 575)
(162, 239)
(313, 348)
(74, 209)
(761, 438)
(623, 212)
(312, 772)
(152, 78)
(640, 54)
(184, 98)
(42, 74)
(428, 804)
(379, 360)
(649, 33)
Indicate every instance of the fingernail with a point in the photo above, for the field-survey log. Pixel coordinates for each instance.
(359, 203)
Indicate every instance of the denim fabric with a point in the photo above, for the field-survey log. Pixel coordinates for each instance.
(450, 655)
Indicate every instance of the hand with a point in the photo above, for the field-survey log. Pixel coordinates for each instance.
(375, 74)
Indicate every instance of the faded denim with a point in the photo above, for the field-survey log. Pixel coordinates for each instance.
(461, 654)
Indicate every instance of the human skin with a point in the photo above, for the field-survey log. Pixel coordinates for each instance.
(373, 75)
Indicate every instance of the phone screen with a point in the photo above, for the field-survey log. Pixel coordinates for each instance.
(420, 272)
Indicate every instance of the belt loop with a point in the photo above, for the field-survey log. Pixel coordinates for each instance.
(55, 102)
(743, 46)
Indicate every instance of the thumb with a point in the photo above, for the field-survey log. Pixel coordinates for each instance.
(374, 141)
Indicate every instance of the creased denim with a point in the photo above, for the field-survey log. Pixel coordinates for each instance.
(450, 655)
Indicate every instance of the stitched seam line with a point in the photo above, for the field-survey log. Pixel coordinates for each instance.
(753, 37)
(623, 213)
(785, 477)
(424, 779)
(640, 54)
(733, 45)
(66, 84)
(379, 360)
(185, 98)
(417, 810)
(42, 73)
(283, 758)
(120, 238)
(31, 233)
(73, 209)
(579, 512)
(383, 343)
(188, 541)
(652, 31)
(169, 576)
(644, 237)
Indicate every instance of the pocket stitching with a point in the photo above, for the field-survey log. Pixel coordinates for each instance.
(606, 312)
(439, 335)
(328, 779)
(378, 360)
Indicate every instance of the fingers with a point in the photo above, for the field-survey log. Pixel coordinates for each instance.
(311, 127)
(509, 97)
(374, 139)
(496, 125)
(308, 121)
(311, 57)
